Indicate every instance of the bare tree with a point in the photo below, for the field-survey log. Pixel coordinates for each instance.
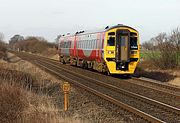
(16, 38)
(13, 42)
(57, 39)
(2, 46)
(1, 36)
(164, 53)
(148, 45)
(175, 38)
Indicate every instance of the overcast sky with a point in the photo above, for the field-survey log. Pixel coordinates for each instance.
(48, 18)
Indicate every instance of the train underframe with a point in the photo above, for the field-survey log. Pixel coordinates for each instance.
(93, 65)
(98, 66)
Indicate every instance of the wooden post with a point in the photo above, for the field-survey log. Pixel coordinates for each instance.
(66, 89)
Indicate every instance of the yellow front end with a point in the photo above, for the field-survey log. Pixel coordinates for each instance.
(121, 57)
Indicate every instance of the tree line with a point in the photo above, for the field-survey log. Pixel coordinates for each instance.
(30, 44)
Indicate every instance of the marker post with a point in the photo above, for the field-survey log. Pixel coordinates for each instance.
(66, 89)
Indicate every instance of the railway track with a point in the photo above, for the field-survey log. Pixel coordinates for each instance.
(147, 108)
(161, 87)
(153, 83)
(164, 95)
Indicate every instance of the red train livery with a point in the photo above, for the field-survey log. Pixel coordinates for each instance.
(114, 50)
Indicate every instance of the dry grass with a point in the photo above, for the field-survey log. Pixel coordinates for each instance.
(22, 102)
(24, 99)
(13, 102)
(50, 52)
(27, 95)
(19, 105)
(147, 69)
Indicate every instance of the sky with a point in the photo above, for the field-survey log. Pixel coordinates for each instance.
(49, 18)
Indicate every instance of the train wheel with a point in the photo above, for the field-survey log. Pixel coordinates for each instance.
(61, 59)
(85, 65)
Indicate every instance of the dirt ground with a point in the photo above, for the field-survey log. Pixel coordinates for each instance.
(175, 81)
(150, 71)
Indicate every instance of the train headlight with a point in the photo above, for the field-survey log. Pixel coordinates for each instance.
(110, 52)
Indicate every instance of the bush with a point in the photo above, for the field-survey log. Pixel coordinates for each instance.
(165, 56)
(166, 52)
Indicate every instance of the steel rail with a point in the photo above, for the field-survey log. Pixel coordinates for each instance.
(140, 97)
(165, 86)
(108, 98)
(156, 83)
(115, 88)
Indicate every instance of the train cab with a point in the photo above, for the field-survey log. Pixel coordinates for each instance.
(121, 50)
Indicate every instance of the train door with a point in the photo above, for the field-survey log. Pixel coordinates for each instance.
(122, 45)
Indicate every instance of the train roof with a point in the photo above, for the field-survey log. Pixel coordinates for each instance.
(98, 30)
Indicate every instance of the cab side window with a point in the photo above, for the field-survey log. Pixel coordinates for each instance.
(111, 41)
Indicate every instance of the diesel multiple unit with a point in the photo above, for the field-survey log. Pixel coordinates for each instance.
(114, 50)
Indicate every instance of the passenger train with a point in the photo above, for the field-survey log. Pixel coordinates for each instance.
(113, 50)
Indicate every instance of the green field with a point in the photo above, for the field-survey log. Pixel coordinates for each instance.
(147, 55)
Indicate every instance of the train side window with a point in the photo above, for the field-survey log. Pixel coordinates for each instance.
(89, 44)
(95, 42)
(86, 43)
(80, 44)
(111, 41)
(92, 44)
(83, 44)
